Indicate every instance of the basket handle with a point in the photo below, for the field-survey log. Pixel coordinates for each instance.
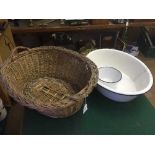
(13, 53)
(16, 50)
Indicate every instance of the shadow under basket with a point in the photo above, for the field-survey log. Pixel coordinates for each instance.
(51, 80)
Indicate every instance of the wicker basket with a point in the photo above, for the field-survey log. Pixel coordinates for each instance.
(52, 80)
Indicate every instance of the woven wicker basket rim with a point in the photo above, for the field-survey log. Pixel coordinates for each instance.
(12, 59)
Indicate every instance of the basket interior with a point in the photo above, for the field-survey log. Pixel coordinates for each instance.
(50, 72)
(48, 89)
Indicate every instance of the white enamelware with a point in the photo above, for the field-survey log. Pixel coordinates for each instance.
(136, 77)
(109, 74)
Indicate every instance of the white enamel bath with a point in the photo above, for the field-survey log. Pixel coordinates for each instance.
(136, 78)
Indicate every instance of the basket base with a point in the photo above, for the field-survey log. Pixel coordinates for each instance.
(48, 91)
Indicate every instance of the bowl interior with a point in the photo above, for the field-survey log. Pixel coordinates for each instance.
(109, 74)
(136, 77)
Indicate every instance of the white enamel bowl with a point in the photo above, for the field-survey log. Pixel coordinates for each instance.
(136, 77)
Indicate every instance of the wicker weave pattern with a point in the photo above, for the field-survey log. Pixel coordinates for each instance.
(52, 80)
